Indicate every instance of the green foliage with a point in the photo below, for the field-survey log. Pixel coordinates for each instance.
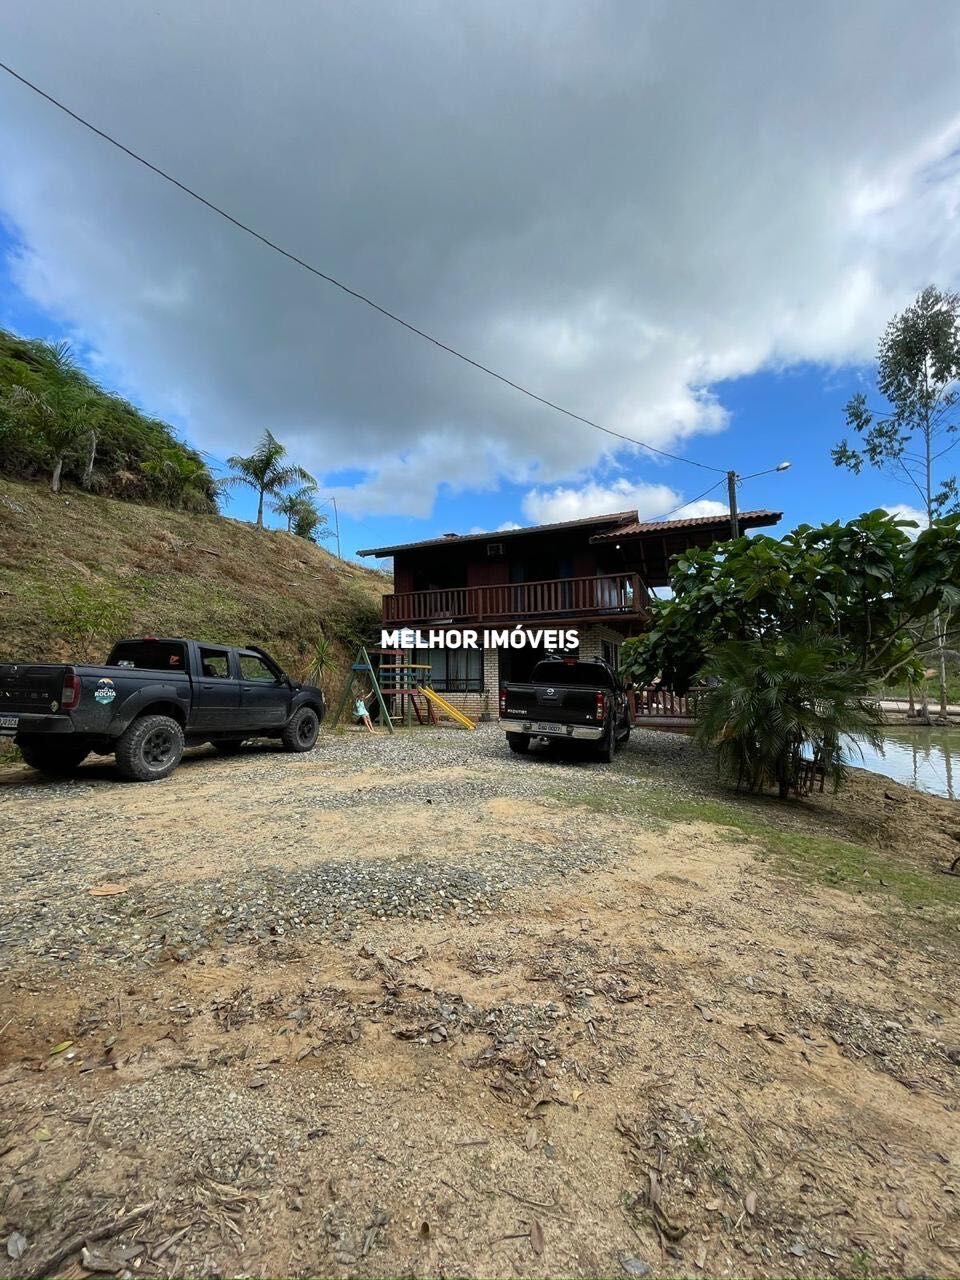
(303, 516)
(767, 705)
(267, 471)
(863, 586)
(89, 618)
(52, 412)
(791, 635)
(918, 374)
(290, 505)
(320, 659)
(186, 481)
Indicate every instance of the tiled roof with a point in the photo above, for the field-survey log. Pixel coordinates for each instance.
(497, 535)
(635, 528)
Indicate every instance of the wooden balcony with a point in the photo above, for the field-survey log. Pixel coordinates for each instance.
(616, 595)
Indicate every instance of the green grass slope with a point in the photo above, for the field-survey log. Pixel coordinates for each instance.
(78, 570)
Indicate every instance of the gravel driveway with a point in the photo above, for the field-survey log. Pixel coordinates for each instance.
(265, 844)
(418, 1006)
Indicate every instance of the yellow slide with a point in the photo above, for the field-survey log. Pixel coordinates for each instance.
(445, 706)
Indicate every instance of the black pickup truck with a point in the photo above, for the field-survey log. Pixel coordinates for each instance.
(152, 698)
(567, 699)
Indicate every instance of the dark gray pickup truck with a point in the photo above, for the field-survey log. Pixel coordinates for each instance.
(151, 698)
(567, 699)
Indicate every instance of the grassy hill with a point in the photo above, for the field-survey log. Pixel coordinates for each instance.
(78, 570)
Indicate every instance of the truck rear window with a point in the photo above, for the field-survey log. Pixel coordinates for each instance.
(572, 673)
(149, 655)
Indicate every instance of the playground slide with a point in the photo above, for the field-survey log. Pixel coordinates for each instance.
(445, 706)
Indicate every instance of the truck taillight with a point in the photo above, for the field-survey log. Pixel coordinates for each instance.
(503, 702)
(601, 704)
(70, 696)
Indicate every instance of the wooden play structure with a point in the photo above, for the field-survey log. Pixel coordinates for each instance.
(402, 682)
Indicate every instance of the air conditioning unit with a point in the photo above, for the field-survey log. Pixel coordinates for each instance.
(494, 548)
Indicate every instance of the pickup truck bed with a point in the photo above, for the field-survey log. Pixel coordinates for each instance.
(151, 698)
(567, 699)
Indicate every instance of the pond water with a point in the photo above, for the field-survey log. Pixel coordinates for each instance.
(928, 759)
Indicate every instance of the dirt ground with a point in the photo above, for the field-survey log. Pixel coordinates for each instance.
(729, 1047)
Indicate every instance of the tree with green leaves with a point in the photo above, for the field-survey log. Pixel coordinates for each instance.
(267, 471)
(57, 422)
(766, 707)
(860, 592)
(186, 479)
(291, 505)
(918, 376)
(309, 522)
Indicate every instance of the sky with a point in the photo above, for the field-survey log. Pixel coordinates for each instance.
(688, 222)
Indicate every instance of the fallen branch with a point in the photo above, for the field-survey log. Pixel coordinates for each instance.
(76, 1243)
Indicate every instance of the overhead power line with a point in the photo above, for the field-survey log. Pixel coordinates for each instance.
(688, 502)
(353, 293)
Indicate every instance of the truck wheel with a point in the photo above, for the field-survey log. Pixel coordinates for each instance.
(149, 749)
(227, 746)
(622, 742)
(300, 731)
(518, 742)
(609, 745)
(56, 759)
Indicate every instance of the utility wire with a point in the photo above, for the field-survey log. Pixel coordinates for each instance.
(353, 293)
(686, 503)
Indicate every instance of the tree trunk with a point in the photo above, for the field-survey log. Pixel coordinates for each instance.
(55, 478)
(87, 480)
(260, 511)
(940, 628)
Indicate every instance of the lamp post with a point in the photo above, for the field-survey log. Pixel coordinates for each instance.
(336, 521)
(733, 480)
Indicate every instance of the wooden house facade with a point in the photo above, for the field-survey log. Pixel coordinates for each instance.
(594, 575)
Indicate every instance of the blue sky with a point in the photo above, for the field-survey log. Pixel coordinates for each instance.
(621, 207)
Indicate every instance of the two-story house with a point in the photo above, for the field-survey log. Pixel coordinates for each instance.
(594, 575)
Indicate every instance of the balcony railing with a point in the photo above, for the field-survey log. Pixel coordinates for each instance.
(621, 594)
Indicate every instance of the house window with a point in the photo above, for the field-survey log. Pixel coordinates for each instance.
(610, 653)
(454, 670)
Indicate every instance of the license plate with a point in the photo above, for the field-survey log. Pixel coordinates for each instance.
(543, 727)
(8, 724)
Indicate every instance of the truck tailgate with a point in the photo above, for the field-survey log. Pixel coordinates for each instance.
(30, 688)
(570, 704)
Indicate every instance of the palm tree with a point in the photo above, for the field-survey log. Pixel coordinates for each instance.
(765, 705)
(291, 505)
(187, 479)
(56, 419)
(267, 471)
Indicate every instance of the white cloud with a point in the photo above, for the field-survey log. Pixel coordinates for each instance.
(903, 511)
(702, 507)
(618, 205)
(547, 506)
(575, 502)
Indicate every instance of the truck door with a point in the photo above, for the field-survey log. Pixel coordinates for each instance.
(264, 697)
(216, 688)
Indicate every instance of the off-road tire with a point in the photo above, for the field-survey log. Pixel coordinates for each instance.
(608, 745)
(227, 746)
(622, 742)
(518, 742)
(55, 759)
(300, 731)
(149, 749)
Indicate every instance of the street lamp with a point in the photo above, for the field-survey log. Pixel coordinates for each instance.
(732, 480)
(336, 518)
